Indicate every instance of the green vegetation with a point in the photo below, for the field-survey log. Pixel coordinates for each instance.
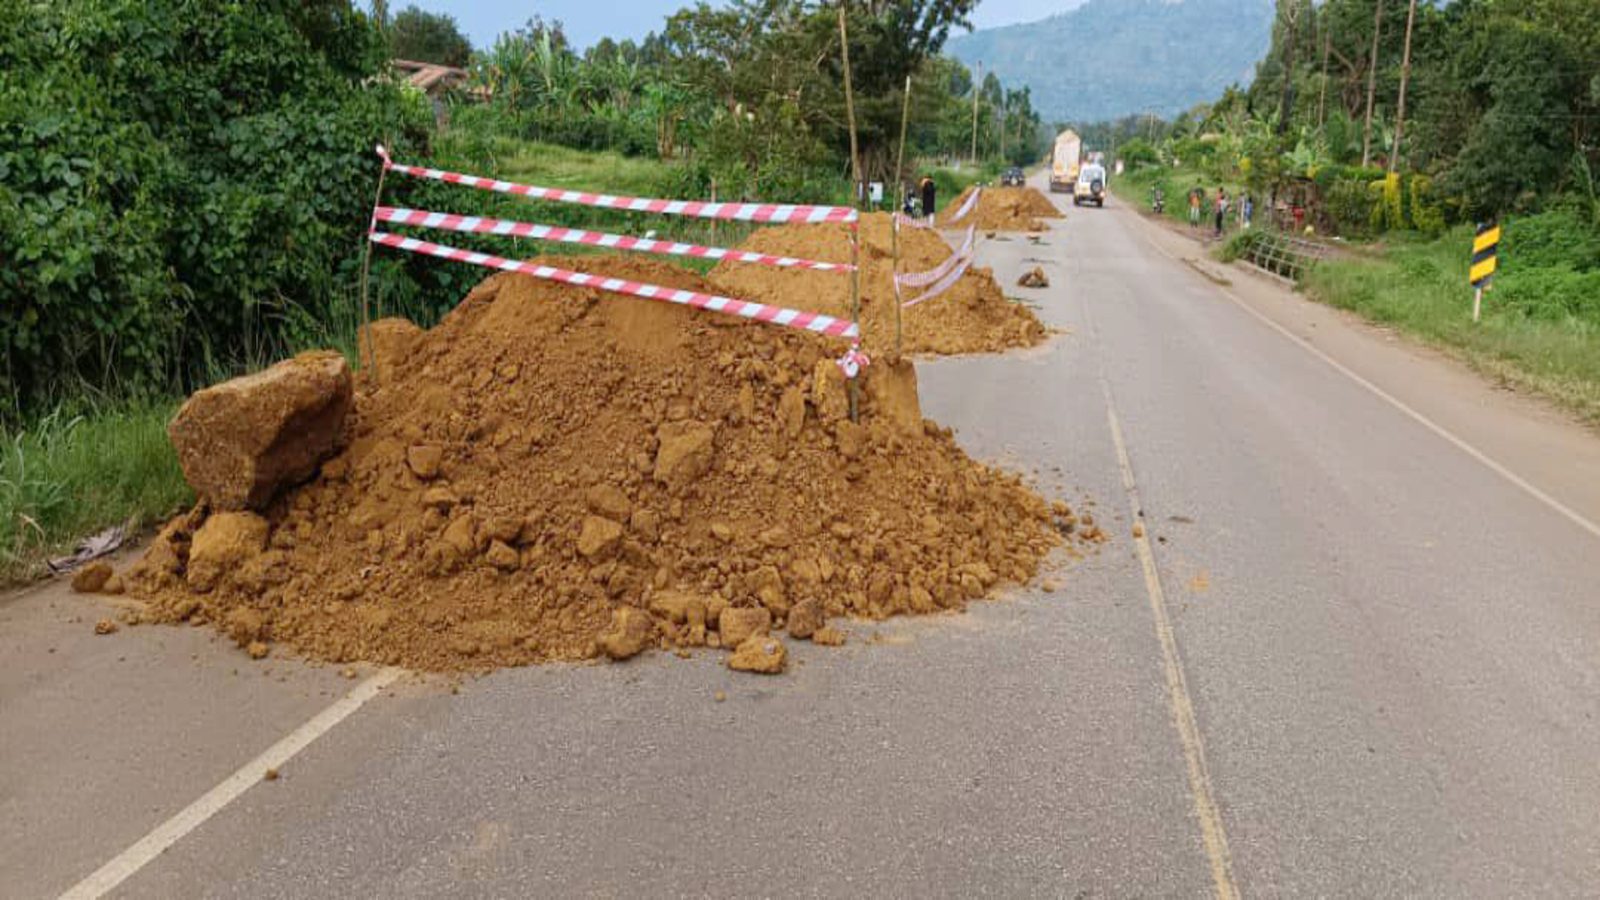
(70, 474)
(1502, 122)
(1541, 322)
(185, 185)
(428, 37)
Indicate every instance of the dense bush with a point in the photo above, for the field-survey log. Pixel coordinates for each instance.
(1550, 268)
(183, 183)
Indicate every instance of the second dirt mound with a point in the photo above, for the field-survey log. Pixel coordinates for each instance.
(974, 316)
(554, 473)
(1003, 209)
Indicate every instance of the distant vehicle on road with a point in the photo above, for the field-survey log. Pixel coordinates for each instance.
(1065, 160)
(1091, 186)
(1013, 177)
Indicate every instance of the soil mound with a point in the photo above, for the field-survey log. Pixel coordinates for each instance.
(553, 473)
(974, 316)
(1003, 209)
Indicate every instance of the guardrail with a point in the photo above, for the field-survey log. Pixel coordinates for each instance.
(1282, 255)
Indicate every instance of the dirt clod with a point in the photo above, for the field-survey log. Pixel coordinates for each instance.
(105, 626)
(242, 441)
(761, 654)
(92, 578)
(1034, 278)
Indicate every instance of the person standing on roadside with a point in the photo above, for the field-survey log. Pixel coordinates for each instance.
(1196, 197)
(928, 192)
(1221, 209)
(1247, 210)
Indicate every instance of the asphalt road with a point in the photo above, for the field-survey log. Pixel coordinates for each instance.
(1361, 662)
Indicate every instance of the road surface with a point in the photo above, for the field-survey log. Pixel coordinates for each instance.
(1354, 654)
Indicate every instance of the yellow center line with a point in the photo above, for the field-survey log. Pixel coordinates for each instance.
(1213, 835)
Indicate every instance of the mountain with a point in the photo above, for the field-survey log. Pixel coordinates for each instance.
(1110, 58)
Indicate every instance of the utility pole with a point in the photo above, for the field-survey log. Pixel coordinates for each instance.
(1405, 74)
(850, 108)
(1322, 98)
(1372, 85)
(1002, 124)
(977, 81)
(1285, 103)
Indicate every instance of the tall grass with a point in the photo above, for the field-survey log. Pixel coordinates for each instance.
(1420, 286)
(71, 473)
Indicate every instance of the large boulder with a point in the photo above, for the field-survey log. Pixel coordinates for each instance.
(241, 441)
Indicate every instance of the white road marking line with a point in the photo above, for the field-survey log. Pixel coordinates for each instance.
(1488, 461)
(1212, 833)
(152, 845)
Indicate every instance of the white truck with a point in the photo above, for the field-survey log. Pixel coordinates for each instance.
(1065, 160)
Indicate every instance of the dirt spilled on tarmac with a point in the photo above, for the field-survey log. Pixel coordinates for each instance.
(553, 473)
(974, 316)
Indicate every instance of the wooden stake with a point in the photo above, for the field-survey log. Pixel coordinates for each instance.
(894, 216)
(1477, 303)
(855, 228)
(366, 267)
(855, 312)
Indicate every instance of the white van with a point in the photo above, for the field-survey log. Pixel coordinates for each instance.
(1091, 186)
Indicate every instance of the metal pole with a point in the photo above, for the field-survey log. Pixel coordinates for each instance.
(366, 267)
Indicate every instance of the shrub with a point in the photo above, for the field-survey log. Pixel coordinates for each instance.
(181, 182)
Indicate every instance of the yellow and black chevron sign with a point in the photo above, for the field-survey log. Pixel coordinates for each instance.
(1485, 247)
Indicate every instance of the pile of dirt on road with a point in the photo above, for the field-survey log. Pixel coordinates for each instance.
(553, 473)
(974, 316)
(1003, 209)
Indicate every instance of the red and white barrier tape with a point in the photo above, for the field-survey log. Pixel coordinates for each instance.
(777, 315)
(853, 361)
(972, 201)
(945, 284)
(919, 279)
(744, 212)
(506, 227)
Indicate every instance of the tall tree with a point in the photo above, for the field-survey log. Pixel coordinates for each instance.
(428, 37)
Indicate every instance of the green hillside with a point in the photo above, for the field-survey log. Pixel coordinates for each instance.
(1110, 58)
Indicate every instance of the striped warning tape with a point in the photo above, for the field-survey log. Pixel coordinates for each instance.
(945, 284)
(972, 201)
(744, 212)
(777, 315)
(919, 279)
(508, 228)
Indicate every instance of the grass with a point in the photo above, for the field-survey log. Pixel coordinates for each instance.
(68, 475)
(1420, 287)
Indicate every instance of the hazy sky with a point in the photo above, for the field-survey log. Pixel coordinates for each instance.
(589, 20)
